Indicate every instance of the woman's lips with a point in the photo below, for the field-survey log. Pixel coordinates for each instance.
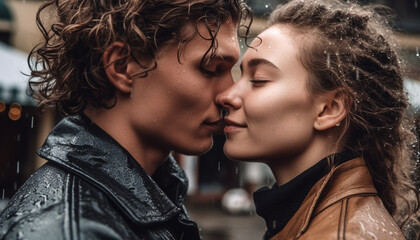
(232, 126)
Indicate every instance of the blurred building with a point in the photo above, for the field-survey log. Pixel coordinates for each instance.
(19, 123)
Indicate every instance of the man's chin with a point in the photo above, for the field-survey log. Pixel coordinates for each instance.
(197, 150)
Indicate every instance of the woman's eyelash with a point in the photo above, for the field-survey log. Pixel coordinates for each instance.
(254, 81)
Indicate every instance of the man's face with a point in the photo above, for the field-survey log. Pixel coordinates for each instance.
(173, 108)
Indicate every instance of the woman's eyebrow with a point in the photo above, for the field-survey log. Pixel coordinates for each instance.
(260, 61)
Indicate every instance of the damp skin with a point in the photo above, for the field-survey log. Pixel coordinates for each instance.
(271, 104)
(173, 108)
(174, 103)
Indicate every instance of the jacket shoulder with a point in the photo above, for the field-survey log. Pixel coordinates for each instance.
(356, 217)
(55, 204)
(36, 205)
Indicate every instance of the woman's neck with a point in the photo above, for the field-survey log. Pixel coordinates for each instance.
(286, 168)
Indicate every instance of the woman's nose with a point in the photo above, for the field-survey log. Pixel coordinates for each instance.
(230, 98)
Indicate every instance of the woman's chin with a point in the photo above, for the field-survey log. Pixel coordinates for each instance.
(238, 155)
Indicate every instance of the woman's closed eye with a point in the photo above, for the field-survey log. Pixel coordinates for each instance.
(258, 83)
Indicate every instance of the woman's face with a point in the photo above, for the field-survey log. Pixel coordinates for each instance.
(270, 112)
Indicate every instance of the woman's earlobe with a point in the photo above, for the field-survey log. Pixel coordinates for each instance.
(332, 111)
(116, 68)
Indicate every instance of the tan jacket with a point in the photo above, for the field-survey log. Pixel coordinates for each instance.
(342, 205)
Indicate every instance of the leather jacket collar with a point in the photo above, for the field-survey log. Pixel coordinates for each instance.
(80, 146)
(348, 179)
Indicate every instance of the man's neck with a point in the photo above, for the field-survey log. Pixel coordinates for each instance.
(147, 155)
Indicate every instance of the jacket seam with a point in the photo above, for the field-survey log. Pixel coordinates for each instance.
(350, 189)
(70, 208)
(349, 196)
(342, 220)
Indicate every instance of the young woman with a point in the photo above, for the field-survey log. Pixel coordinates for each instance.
(321, 101)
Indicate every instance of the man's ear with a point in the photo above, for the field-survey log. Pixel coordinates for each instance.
(331, 110)
(116, 70)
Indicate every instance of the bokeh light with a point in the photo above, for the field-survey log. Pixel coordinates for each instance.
(2, 106)
(15, 111)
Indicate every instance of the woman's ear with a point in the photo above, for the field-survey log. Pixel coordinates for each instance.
(331, 110)
(116, 70)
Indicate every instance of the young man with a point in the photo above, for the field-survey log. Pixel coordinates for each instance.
(138, 79)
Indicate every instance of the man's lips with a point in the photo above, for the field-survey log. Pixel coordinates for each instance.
(214, 125)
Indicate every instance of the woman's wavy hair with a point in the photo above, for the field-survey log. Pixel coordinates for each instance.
(348, 47)
(68, 71)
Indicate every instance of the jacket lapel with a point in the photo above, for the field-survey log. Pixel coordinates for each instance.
(86, 150)
(345, 180)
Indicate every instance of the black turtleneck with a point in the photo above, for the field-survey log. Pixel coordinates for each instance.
(278, 204)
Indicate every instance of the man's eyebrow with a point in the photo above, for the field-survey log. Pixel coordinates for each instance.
(225, 58)
(260, 61)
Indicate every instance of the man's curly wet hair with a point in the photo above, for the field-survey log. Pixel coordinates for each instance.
(69, 72)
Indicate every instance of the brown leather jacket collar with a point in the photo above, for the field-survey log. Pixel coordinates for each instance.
(349, 180)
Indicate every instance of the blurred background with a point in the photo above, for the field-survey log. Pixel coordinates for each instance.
(220, 192)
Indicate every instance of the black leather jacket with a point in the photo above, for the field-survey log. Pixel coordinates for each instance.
(91, 188)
